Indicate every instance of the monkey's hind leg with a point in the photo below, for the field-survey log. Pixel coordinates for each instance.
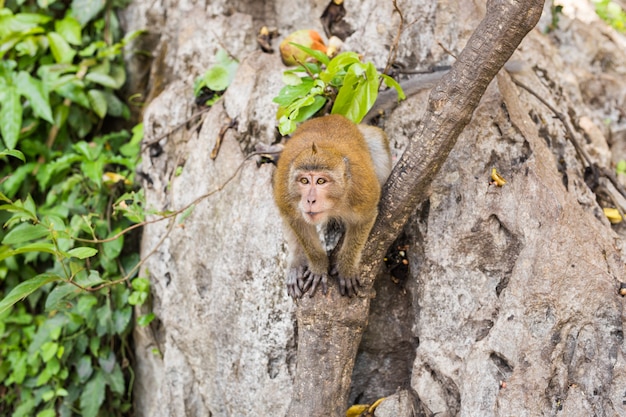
(347, 266)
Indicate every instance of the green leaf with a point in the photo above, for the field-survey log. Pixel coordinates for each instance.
(93, 170)
(217, 78)
(33, 89)
(104, 315)
(61, 50)
(43, 377)
(137, 298)
(289, 78)
(25, 408)
(319, 55)
(24, 232)
(115, 380)
(286, 125)
(85, 10)
(338, 64)
(85, 304)
(69, 28)
(48, 350)
(307, 112)
(83, 368)
(121, 319)
(107, 363)
(391, 83)
(93, 395)
(74, 89)
(141, 284)
(82, 253)
(26, 288)
(115, 106)
(90, 150)
(102, 79)
(113, 248)
(358, 93)
(10, 115)
(145, 320)
(61, 292)
(53, 366)
(33, 247)
(47, 413)
(14, 153)
(289, 93)
(47, 396)
(19, 367)
(98, 102)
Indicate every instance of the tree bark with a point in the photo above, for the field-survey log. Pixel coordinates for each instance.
(330, 327)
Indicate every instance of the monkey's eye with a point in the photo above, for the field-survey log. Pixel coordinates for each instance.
(321, 181)
(304, 180)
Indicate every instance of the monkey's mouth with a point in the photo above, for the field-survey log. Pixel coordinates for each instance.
(314, 215)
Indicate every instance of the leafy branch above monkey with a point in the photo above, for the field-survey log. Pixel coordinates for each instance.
(345, 82)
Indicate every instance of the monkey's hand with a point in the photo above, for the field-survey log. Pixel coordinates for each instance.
(348, 282)
(313, 280)
(300, 279)
(295, 281)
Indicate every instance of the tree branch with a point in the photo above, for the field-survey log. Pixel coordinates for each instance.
(330, 327)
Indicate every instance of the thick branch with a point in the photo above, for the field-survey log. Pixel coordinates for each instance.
(330, 327)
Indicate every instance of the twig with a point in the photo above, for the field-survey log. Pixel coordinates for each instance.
(393, 51)
(174, 129)
(174, 213)
(446, 50)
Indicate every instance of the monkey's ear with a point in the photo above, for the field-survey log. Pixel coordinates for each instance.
(313, 148)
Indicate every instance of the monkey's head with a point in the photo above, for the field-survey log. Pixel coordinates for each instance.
(318, 178)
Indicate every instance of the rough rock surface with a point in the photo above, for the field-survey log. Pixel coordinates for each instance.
(510, 306)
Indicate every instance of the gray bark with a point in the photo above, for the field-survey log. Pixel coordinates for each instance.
(515, 284)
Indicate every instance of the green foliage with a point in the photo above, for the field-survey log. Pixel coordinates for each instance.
(611, 13)
(212, 84)
(352, 85)
(621, 167)
(67, 195)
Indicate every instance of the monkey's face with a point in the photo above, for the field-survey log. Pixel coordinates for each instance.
(318, 195)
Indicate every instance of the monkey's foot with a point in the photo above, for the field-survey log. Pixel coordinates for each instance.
(300, 279)
(295, 281)
(348, 284)
(313, 280)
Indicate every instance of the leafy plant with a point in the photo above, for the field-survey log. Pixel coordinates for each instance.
(67, 196)
(351, 85)
(611, 13)
(208, 88)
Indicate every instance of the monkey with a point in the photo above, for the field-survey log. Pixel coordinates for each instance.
(331, 170)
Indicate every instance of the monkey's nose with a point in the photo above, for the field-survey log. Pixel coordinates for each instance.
(310, 201)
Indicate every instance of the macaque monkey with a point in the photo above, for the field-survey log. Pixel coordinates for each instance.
(330, 170)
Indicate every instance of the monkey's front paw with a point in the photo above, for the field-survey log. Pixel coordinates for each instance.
(295, 281)
(313, 280)
(348, 283)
